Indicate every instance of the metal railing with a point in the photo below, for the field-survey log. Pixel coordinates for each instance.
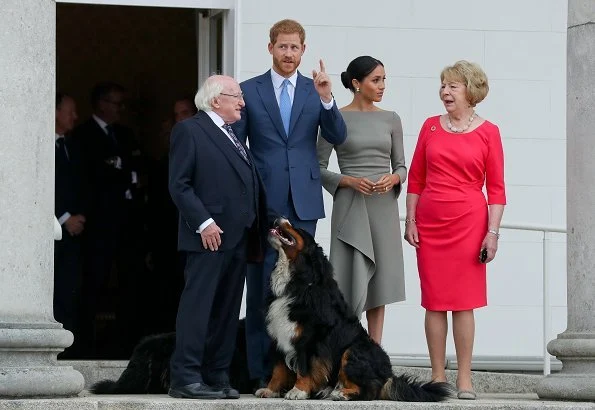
(546, 230)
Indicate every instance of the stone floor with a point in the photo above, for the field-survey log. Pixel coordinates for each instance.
(500, 391)
(483, 382)
(86, 401)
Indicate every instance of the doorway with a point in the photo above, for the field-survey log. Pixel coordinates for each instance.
(159, 55)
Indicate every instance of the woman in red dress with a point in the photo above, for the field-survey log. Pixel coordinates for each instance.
(448, 220)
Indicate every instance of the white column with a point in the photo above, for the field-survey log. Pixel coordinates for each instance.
(576, 346)
(30, 338)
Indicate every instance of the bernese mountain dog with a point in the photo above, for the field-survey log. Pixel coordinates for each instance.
(324, 351)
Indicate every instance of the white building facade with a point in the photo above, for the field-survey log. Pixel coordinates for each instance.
(522, 48)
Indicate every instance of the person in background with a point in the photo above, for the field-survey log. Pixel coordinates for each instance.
(366, 250)
(167, 264)
(184, 108)
(70, 210)
(113, 236)
(283, 113)
(453, 230)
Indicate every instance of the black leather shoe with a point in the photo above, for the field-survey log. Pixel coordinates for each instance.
(230, 392)
(196, 391)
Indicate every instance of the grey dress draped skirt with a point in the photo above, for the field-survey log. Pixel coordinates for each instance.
(366, 248)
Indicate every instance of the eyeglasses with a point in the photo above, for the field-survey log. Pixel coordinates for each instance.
(239, 96)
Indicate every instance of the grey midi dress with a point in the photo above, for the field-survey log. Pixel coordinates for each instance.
(366, 249)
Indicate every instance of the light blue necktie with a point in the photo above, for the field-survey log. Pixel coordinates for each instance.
(285, 106)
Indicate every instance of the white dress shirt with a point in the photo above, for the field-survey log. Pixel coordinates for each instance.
(101, 123)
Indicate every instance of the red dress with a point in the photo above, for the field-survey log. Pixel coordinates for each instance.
(448, 172)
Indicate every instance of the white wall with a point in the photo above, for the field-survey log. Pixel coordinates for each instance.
(522, 47)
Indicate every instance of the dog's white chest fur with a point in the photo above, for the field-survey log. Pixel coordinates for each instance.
(278, 324)
(281, 275)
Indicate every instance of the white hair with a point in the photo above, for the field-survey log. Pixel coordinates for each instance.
(210, 89)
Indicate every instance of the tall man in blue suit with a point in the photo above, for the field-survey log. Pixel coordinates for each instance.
(222, 224)
(283, 113)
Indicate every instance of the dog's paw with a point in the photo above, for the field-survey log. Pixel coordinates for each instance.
(324, 394)
(296, 394)
(338, 395)
(266, 393)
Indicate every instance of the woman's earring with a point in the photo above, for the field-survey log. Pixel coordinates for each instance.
(357, 90)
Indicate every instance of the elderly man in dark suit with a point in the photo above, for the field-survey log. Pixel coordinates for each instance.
(222, 224)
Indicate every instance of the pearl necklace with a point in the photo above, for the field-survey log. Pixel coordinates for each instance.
(465, 128)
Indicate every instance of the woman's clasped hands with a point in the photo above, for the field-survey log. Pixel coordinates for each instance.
(367, 187)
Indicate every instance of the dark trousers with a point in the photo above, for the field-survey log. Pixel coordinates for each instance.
(208, 316)
(67, 278)
(258, 288)
(103, 240)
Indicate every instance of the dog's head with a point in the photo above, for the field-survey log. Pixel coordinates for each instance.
(305, 259)
(285, 238)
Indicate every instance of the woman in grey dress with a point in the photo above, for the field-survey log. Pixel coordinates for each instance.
(366, 250)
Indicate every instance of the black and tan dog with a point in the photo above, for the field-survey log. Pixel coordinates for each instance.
(148, 369)
(324, 352)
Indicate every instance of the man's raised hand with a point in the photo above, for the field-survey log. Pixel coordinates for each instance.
(322, 83)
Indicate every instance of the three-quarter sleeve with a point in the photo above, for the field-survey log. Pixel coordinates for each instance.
(417, 170)
(495, 169)
(397, 154)
(330, 180)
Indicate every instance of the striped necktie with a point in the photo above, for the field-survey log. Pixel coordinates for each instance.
(236, 142)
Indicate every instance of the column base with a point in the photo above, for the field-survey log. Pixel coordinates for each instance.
(576, 380)
(567, 387)
(28, 363)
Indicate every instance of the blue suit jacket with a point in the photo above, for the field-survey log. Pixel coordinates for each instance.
(288, 162)
(209, 179)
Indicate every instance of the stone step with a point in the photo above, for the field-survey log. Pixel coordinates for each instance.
(484, 382)
(501, 391)
(163, 402)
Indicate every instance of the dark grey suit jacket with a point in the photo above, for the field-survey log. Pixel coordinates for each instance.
(209, 179)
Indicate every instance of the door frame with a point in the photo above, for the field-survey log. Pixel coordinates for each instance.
(206, 12)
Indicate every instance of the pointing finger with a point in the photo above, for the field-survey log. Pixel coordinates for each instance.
(322, 68)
